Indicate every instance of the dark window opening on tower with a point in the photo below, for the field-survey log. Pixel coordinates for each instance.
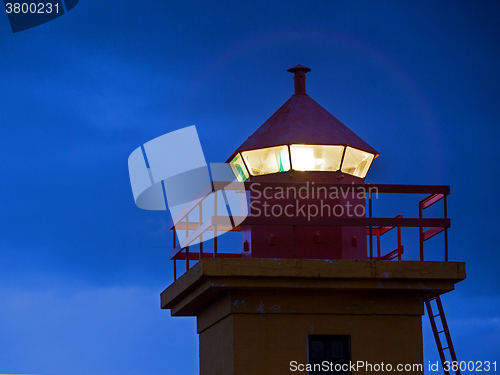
(328, 354)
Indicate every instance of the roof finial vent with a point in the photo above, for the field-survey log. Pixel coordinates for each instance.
(299, 78)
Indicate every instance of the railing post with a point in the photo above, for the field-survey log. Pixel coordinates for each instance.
(215, 224)
(445, 231)
(370, 216)
(378, 242)
(201, 234)
(421, 231)
(175, 265)
(187, 247)
(399, 243)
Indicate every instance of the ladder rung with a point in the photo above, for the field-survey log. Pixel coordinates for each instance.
(435, 315)
(440, 331)
(446, 348)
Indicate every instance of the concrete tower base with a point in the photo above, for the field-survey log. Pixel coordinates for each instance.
(254, 316)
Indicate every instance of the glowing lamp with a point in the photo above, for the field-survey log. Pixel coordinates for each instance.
(303, 137)
(303, 158)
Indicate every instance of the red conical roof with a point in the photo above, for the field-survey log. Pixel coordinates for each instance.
(303, 121)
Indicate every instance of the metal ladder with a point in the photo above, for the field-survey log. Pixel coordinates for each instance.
(445, 330)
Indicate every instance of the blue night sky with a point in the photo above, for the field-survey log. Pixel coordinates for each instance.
(81, 267)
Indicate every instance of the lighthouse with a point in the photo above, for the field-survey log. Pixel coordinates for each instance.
(310, 288)
(304, 143)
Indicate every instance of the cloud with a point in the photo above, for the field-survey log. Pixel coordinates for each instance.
(80, 330)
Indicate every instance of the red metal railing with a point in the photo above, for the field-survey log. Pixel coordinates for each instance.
(428, 234)
(378, 232)
(375, 226)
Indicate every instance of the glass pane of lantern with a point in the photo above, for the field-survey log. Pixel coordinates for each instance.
(356, 162)
(239, 169)
(267, 160)
(316, 158)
